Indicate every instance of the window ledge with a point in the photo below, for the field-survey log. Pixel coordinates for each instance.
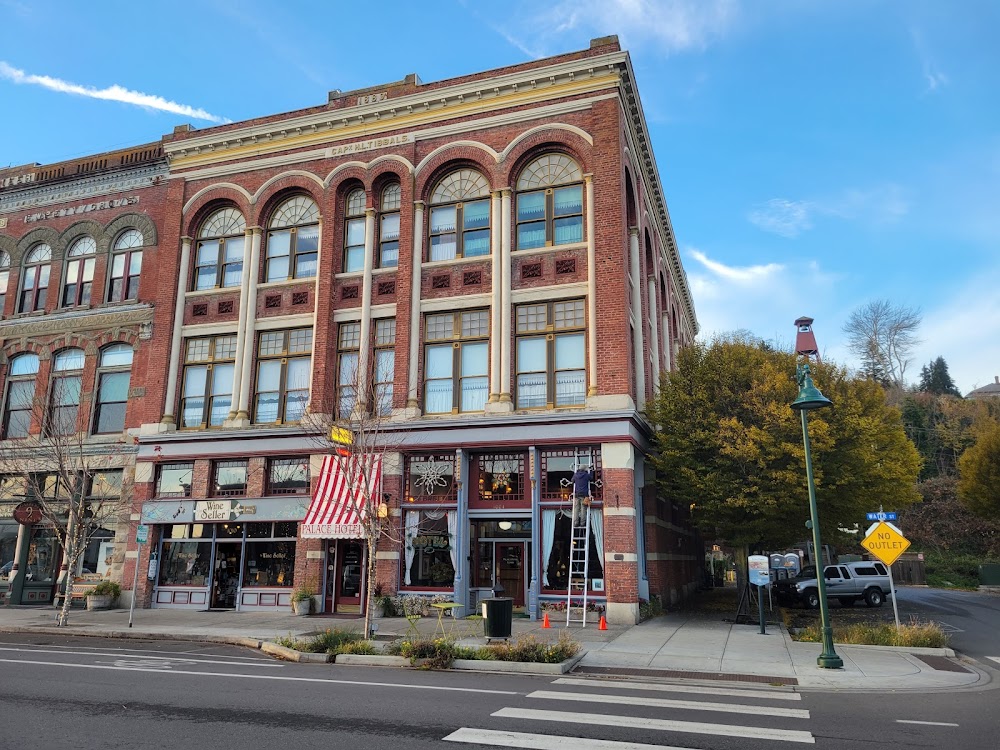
(548, 250)
(210, 292)
(285, 282)
(349, 275)
(456, 261)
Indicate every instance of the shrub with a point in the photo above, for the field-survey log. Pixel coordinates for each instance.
(365, 648)
(652, 608)
(331, 640)
(953, 569)
(106, 588)
(439, 653)
(913, 635)
(527, 648)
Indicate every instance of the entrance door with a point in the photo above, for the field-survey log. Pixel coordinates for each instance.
(226, 575)
(331, 575)
(510, 570)
(349, 578)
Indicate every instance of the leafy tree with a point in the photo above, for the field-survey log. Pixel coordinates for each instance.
(882, 336)
(934, 378)
(979, 473)
(943, 427)
(729, 445)
(942, 524)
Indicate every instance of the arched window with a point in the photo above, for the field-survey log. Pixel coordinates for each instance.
(219, 254)
(64, 399)
(112, 389)
(79, 272)
(126, 263)
(354, 231)
(549, 202)
(388, 227)
(21, 372)
(293, 240)
(4, 279)
(36, 279)
(460, 216)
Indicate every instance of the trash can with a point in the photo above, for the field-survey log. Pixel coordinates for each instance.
(498, 614)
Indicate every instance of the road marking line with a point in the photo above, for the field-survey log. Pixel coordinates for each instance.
(259, 677)
(30, 647)
(994, 658)
(143, 657)
(688, 689)
(633, 700)
(926, 723)
(504, 738)
(638, 722)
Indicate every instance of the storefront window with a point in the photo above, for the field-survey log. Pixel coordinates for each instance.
(269, 564)
(8, 545)
(185, 563)
(558, 467)
(430, 479)
(430, 549)
(556, 529)
(43, 555)
(97, 557)
(498, 481)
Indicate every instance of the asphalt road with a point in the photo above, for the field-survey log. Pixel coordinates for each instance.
(971, 618)
(64, 692)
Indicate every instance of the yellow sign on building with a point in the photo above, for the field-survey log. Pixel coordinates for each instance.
(886, 542)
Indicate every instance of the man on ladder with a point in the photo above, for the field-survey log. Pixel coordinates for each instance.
(582, 479)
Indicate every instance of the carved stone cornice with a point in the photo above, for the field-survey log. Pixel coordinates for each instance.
(77, 320)
(45, 194)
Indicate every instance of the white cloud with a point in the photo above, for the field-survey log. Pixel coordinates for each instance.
(744, 276)
(668, 25)
(114, 93)
(875, 206)
(782, 216)
(933, 76)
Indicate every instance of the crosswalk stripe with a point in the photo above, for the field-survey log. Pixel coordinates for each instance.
(689, 689)
(635, 722)
(994, 658)
(635, 700)
(926, 723)
(505, 738)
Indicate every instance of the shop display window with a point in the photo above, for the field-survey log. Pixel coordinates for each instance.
(430, 554)
(556, 528)
(269, 563)
(185, 562)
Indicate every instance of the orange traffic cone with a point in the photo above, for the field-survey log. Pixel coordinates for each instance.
(545, 620)
(603, 624)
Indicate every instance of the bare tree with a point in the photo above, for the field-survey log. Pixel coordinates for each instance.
(75, 480)
(883, 335)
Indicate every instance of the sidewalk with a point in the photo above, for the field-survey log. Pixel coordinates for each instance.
(678, 645)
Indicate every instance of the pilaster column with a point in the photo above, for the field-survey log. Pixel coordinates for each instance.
(241, 335)
(496, 303)
(505, 273)
(591, 289)
(169, 408)
(364, 355)
(665, 328)
(640, 363)
(413, 395)
(654, 333)
(245, 362)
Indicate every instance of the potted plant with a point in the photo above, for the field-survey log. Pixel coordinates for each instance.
(302, 598)
(103, 596)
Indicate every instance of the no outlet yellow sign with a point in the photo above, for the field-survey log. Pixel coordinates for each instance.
(886, 542)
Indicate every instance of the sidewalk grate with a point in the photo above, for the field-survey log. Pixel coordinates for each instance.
(671, 673)
(941, 663)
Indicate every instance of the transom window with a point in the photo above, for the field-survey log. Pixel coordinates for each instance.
(4, 280)
(229, 478)
(388, 227)
(284, 359)
(174, 480)
(79, 272)
(207, 396)
(551, 354)
(549, 202)
(36, 279)
(112, 388)
(460, 216)
(288, 476)
(220, 249)
(21, 372)
(457, 352)
(293, 240)
(126, 263)
(354, 231)
(64, 399)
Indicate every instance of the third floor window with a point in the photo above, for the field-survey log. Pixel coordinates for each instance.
(293, 240)
(549, 202)
(456, 361)
(220, 249)
(460, 216)
(35, 284)
(207, 395)
(79, 272)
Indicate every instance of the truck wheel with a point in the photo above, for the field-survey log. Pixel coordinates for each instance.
(874, 597)
(811, 599)
(846, 601)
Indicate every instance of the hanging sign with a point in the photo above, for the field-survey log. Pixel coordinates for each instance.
(28, 513)
(760, 573)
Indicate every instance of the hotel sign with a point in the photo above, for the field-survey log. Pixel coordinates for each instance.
(83, 209)
(371, 144)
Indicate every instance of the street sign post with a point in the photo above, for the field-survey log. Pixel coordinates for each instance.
(887, 543)
(142, 534)
(141, 538)
(760, 576)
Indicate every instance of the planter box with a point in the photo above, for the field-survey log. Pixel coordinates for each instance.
(99, 601)
(526, 667)
(301, 609)
(373, 660)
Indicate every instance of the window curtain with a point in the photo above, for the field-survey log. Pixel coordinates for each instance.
(597, 531)
(412, 527)
(453, 537)
(548, 539)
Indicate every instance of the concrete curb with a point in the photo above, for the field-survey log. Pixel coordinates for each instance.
(372, 660)
(924, 650)
(474, 665)
(290, 654)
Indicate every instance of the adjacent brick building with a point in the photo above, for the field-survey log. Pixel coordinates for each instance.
(487, 263)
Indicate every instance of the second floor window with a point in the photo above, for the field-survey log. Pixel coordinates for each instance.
(354, 232)
(550, 355)
(388, 227)
(219, 253)
(126, 263)
(64, 400)
(207, 396)
(35, 284)
(174, 479)
(112, 388)
(549, 202)
(284, 362)
(79, 272)
(293, 240)
(19, 404)
(456, 361)
(288, 476)
(229, 478)
(460, 216)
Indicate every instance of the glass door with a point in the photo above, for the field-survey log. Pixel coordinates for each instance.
(349, 576)
(510, 571)
(331, 576)
(226, 575)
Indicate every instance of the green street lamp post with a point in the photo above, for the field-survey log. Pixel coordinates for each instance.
(810, 398)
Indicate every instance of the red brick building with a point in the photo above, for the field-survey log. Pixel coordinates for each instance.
(487, 263)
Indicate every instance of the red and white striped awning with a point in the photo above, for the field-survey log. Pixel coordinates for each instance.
(347, 486)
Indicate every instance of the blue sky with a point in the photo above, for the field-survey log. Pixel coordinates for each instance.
(815, 155)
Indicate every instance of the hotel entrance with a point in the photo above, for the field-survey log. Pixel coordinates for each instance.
(345, 577)
(501, 559)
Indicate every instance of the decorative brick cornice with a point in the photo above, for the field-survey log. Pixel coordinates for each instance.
(77, 320)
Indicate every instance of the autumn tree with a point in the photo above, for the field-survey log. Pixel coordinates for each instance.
(882, 336)
(729, 445)
(935, 378)
(979, 472)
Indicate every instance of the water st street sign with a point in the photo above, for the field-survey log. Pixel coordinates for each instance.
(880, 516)
(886, 542)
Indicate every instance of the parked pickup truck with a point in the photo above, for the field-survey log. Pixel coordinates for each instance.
(845, 582)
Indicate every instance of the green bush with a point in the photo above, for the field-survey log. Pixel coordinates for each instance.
(527, 648)
(954, 569)
(106, 588)
(365, 648)
(330, 641)
(914, 635)
(652, 608)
